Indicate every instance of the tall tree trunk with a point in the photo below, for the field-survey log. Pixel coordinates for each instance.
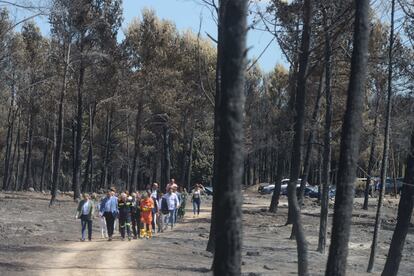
(371, 161)
(311, 140)
(349, 151)
(167, 155)
(190, 161)
(45, 151)
(278, 182)
(23, 173)
(107, 151)
(217, 102)
(28, 182)
(294, 215)
(9, 143)
(17, 145)
(60, 131)
(228, 232)
(137, 147)
(79, 121)
(327, 140)
(384, 164)
(405, 211)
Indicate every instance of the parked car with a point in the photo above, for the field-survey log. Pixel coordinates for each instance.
(313, 192)
(389, 185)
(266, 188)
(284, 187)
(208, 190)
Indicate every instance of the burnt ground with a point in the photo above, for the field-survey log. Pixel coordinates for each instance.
(38, 240)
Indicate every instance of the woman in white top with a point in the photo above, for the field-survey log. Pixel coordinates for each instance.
(196, 198)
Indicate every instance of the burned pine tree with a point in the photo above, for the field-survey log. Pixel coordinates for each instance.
(350, 138)
(228, 222)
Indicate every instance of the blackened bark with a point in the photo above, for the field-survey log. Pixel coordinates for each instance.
(349, 151)
(107, 151)
(294, 215)
(190, 161)
(311, 140)
(326, 167)
(228, 234)
(28, 182)
(384, 163)
(167, 155)
(137, 147)
(216, 134)
(45, 152)
(17, 145)
(60, 131)
(405, 210)
(78, 139)
(371, 161)
(9, 142)
(278, 183)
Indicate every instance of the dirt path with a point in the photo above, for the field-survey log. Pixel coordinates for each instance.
(102, 257)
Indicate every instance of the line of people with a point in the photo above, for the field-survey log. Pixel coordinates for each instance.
(138, 214)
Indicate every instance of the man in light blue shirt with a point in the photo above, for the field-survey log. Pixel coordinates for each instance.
(109, 209)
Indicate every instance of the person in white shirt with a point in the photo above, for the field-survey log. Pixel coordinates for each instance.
(85, 212)
(173, 203)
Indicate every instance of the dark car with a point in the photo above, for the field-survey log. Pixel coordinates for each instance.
(389, 185)
(208, 190)
(313, 192)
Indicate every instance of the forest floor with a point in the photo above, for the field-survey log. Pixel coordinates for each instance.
(38, 240)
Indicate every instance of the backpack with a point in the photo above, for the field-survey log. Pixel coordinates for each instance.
(164, 206)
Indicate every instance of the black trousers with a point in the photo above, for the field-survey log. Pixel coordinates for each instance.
(136, 224)
(125, 223)
(110, 220)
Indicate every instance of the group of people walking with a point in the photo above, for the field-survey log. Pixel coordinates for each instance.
(139, 214)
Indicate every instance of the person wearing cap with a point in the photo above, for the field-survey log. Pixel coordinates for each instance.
(109, 209)
(85, 212)
(124, 208)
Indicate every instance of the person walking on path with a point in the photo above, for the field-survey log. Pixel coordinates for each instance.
(85, 212)
(161, 212)
(109, 209)
(196, 199)
(146, 215)
(154, 196)
(136, 215)
(173, 203)
(183, 201)
(102, 221)
(125, 210)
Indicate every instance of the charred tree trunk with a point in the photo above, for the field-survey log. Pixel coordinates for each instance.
(384, 164)
(60, 130)
(45, 152)
(137, 148)
(228, 234)
(16, 176)
(311, 140)
(278, 183)
(217, 102)
(107, 151)
(327, 141)
(371, 161)
(349, 151)
(294, 215)
(167, 155)
(405, 211)
(78, 139)
(9, 143)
